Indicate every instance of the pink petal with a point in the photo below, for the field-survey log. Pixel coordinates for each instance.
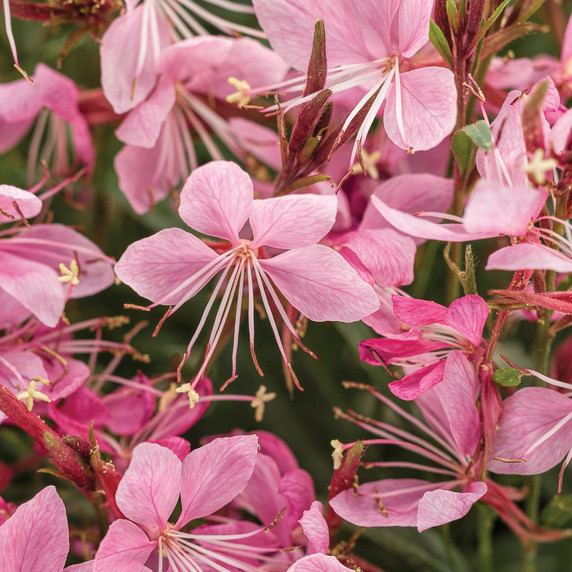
(143, 125)
(214, 474)
(34, 285)
(35, 537)
(156, 265)
(293, 221)
(495, 208)
(399, 498)
(216, 200)
(413, 385)
(318, 563)
(468, 316)
(28, 204)
(125, 547)
(261, 142)
(181, 447)
(413, 29)
(428, 108)
(560, 133)
(415, 312)
(529, 256)
(315, 528)
(440, 507)
(535, 426)
(149, 490)
(297, 488)
(321, 284)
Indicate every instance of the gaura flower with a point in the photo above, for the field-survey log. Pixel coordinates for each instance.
(170, 267)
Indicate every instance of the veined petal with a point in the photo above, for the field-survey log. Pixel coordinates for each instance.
(156, 265)
(318, 563)
(36, 536)
(439, 507)
(216, 200)
(28, 203)
(413, 27)
(315, 528)
(468, 316)
(321, 284)
(149, 489)
(428, 108)
(530, 256)
(214, 474)
(415, 312)
(413, 385)
(293, 221)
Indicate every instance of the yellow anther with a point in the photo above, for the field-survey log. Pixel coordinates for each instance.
(31, 393)
(259, 401)
(70, 274)
(242, 94)
(337, 453)
(539, 166)
(368, 165)
(193, 395)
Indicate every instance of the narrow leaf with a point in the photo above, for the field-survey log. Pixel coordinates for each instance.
(490, 22)
(440, 42)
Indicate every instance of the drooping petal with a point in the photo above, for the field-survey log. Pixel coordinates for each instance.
(36, 536)
(529, 256)
(216, 200)
(28, 203)
(412, 30)
(468, 315)
(413, 385)
(321, 284)
(440, 507)
(293, 221)
(534, 434)
(214, 474)
(156, 265)
(418, 312)
(125, 547)
(318, 563)
(315, 528)
(427, 108)
(149, 489)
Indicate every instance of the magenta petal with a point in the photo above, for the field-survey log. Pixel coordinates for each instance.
(415, 312)
(321, 284)
(293, 221)
(214, 474)
(28, 204)
(315, 528)
(440, 507)
(125, 547)
(156, 265)
(318, 563)
(149, 490)
(428, 108)
(216, 200)
(536, 428)
(529, 256)
(468, 316)
(413, 385)
(34, 285)
(36, 537)
(399, 498)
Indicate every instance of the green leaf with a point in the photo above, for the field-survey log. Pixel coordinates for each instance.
(480, 134)
(311, 180)
(452, 15)
(490, 22)
(500, 39)
(507, 377)
(440, 42)
(464, 151)
(558, 512)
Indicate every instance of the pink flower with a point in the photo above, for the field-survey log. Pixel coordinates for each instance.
(206, 480)
(170, 267)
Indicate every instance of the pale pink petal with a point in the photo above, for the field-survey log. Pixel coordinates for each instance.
(36, 536)
(440, 507)
(418, 312)
(28, 203)
(495, 208)
(315, 528)
(83, 567)
(399, 499)
(34, 285)
(149, 489)
(529, 256)
(143, 125)
(321, 284)
(261, 142)
(560, 133)
(413, 29)
(567, 49)
(534, 434)
(413, 385)
(12, 131)
(468, 316)
(293, 221)
(215, 473)
(216, 200)
(181, 447)
(428, 108)
(318, 563)
(125, 547)
(156, 265)
(120, 48)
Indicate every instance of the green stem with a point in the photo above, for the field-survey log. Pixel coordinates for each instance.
(486, 518)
